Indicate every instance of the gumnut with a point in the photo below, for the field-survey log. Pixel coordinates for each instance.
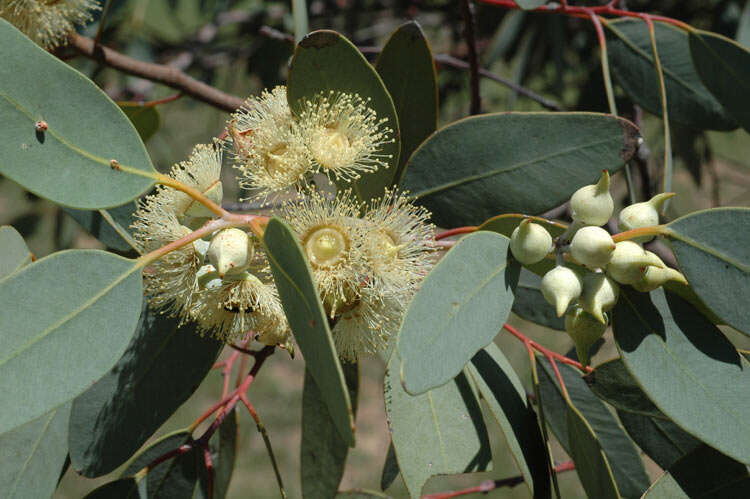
(593, 204)
(561, 286)
(592, 247)
(584, 330)
(215, 193)
(656, 276)
(530, 242)
(629, 262)
(231, 250)
(599, 295)
(644, 214)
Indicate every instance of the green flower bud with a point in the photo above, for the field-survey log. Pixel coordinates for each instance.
(629, 262)
(584, 329)
(560, 286)
(593, 204)
(644, 214)
(592, 247)
(599, 295)
(231, 250)
(530, 242)
(215, 193)
(656, 276)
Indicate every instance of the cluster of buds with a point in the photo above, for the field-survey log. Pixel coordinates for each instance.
(586, 292)
(46, 22)
(367, 258)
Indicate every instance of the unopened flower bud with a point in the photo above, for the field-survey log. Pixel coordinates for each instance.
(208, 278)
(592, 247)
(654, 277)
(584, 330)
(231, 250)
(530, 242)
(560, 286)
(593, 204)
(629, 262)
(599, 295)
(644, 214)
(215, 193)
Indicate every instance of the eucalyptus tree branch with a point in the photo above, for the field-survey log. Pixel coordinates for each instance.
(467, 12)
(159, 73)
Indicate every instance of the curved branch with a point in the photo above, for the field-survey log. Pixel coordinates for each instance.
(169, 76)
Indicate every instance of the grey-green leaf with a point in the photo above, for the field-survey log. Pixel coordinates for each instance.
(172, 479)
(459, 308)
(323, 452)
(146, 119)
(14, 250)
(124, 488)
(591, 463)
(73, 315)
(713, 250)
(438, 432)
(661, 439)
(704, 473)
(484, 165)
(689, 102)
(390, 468)
(622, 456)
(325, 60)
(69, 163)
(408, 71)
(530, 4)
(612, 382)
(33, 454)
(110, 226)
(308, 321)
(686, 366)
(162, 367)
(724, 67)
(506, 397)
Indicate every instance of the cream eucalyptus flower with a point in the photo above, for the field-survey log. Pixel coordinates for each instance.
(48, 22)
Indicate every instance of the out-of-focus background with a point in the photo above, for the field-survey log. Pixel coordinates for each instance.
(240, 47)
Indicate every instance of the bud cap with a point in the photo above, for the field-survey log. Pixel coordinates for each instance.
(560, 286)
(592, 247)
(629, 262)
(530, 242)
(593, 204)
(599, 295)
(644, 214)
(655, 277)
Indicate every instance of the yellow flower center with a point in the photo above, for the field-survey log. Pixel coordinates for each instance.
(332, 149)
(385, 245)
(275, 159)
(326, 246)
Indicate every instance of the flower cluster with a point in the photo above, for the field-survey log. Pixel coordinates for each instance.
(48, 23)
(367, 259)
(334, 133)
(585, 293)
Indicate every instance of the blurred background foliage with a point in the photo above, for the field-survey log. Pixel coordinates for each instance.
(243, 46)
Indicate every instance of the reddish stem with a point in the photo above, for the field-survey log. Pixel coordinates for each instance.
(546, 351)
(454, 232)
(150, 103)
(209, 471)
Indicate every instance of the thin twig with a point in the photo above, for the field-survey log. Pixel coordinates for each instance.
(467, 12)
(546, 351)
(159, 73)
(266, 440)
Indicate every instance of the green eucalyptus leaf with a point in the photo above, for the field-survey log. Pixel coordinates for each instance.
(73, 315)
(146, 119)
(661, 439)
(390, 468)
(686, 366)
(124, 488)
(223, 448)
(14, 250)
(174, 478)
(325, 60)
(622, 456)
(408, 71)
(713, 250)
(530, 4)
(162, 367)
(480, 166)
(70, 162)
(704, 473)
(459, 308)
(438, 432)
(33, 454)
(688, 101)
(308, 321)
(110, 226)
(592, 465)
(323, 453)
(506, 398)
(612, 382)
(724, 67)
